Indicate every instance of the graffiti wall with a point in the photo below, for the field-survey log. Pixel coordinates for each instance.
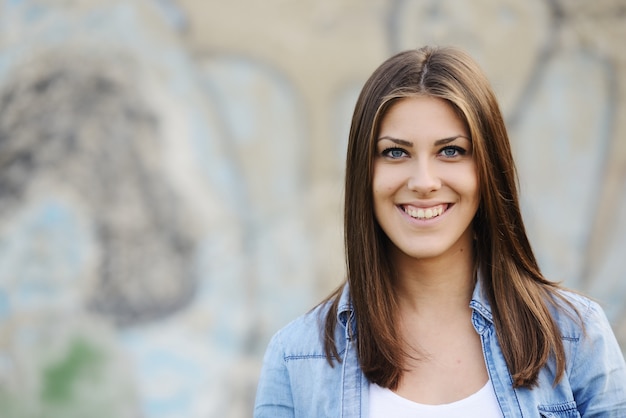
(171, 178)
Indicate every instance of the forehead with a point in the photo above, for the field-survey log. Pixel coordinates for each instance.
(422, 117)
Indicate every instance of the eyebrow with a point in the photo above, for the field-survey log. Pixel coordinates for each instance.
(438, 142)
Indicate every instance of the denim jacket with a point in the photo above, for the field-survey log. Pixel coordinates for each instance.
(297, 381)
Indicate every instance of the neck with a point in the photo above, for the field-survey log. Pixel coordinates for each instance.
(435, 285)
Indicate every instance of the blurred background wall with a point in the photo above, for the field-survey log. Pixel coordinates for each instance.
(171, 178)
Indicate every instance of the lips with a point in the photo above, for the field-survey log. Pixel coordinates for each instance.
(423, 213)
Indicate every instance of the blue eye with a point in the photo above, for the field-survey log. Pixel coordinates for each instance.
(452, 151)
(394, 153)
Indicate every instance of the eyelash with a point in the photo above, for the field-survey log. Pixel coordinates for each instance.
(387, 152)
(459, 152)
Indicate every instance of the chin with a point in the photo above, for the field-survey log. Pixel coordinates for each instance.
(419, 253)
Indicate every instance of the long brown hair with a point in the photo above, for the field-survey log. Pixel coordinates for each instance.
(519, 294)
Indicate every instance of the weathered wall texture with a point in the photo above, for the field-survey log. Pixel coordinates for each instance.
(171, 178)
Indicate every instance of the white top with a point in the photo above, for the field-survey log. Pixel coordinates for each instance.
(384, 404)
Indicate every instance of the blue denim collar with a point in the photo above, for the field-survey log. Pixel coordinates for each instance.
(345, 313)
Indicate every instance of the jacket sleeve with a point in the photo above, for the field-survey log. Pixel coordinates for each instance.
(274, 398)
(598, 373)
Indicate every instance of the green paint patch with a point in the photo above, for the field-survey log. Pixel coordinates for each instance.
(82, 364)
(9, 406)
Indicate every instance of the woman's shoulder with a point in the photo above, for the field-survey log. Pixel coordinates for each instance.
(577, 314)
(596, 368)
(303, 336)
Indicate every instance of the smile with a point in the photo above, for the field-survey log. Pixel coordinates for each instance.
(424, 213)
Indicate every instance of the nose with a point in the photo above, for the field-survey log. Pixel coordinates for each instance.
(423, 178)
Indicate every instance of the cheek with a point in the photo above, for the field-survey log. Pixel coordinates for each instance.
(379, 185)
(470, 184)
(378, 196)
(472, 188)
(382, 193)
(474, 196)
(386, 180)
(381, 197)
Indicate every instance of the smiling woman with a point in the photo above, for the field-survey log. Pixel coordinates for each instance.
(444, 310)
(425, 186)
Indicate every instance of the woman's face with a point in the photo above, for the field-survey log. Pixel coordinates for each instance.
(425, 185)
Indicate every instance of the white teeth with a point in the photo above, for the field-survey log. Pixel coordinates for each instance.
(424, 213)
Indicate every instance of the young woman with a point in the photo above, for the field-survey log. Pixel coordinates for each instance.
(444, 312)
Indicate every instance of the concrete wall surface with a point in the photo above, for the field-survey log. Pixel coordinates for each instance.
(171, 178)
